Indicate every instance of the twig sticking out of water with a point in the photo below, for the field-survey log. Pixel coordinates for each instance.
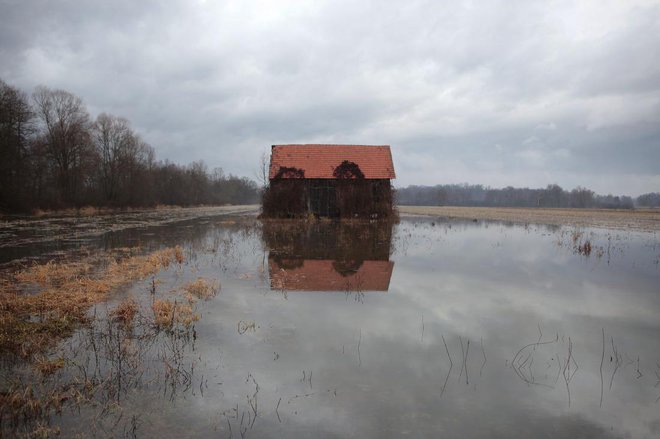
(558, 368)
(540, 336)
(568, 374)
(358, 348)
(465, 351)
(444, 386)
(657, 383)
(522, 365)
(294, 397)
(515, 357)
(463, 357)
(451, 363)
(616, 357)
(422, 327)
(252, 400)
(307, 379)
(243, 326)
(276, 410)
(629, 361)
(153, 288)
(240, 428)
(602, 359)
(484, 354)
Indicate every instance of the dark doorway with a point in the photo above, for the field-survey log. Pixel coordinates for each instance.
(323, 198)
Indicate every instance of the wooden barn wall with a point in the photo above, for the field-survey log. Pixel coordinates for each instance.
(345, 198)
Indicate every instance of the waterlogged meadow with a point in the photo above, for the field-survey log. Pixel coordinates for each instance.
(227, 326)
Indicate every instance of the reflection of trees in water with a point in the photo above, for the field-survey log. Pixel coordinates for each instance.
(347, 268)
(348, 242)
(339, 246)
(288, 263)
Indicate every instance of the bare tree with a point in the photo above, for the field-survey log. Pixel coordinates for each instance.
(53, 156)
(16, 129)
(65, 125)
(263, 171)
(581, 197)
(116, 146)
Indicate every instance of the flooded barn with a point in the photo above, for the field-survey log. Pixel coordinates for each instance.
(344, 181)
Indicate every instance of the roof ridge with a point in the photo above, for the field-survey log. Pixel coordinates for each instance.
(329, 144)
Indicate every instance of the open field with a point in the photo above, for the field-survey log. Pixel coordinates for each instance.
(647, 220)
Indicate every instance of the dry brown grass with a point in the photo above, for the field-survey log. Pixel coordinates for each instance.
(23, 406)
(126, 311)
(167, 313)
(93, 211)
(30, 323)
(48, 367)
(53, 273)
(202, 289)
(83, 211)
(43, 431)
(178, 255)
(646, 220)
(584, 248)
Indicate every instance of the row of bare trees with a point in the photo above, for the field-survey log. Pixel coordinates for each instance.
(54, 155)
(551, 196)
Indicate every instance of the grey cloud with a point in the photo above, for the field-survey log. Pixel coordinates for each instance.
(443, 81)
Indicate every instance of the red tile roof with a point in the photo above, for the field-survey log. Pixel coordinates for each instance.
(320, 161)
(320, 275)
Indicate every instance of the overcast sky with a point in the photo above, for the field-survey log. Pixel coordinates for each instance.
(521, 93)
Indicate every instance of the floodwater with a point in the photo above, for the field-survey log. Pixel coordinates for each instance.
(426, 328)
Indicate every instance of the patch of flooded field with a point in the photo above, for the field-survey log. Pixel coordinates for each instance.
(23, 239)
(427, 328)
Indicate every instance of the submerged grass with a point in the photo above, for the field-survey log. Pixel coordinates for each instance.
(126, 311)
(168, 313)
(49, 366)
(32, 322)
(202, 289)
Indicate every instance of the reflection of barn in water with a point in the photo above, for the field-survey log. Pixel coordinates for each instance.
(329, 180)
(329, 256)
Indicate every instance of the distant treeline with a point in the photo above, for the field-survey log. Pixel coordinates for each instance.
(54, 155)
(552, 196)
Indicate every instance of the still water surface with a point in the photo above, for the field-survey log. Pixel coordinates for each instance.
(428, 328)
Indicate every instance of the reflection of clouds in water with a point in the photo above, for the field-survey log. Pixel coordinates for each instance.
(464, 285)
(379, 367)
(464, 264)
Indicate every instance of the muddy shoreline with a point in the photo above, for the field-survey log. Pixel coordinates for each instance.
(643, 220)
